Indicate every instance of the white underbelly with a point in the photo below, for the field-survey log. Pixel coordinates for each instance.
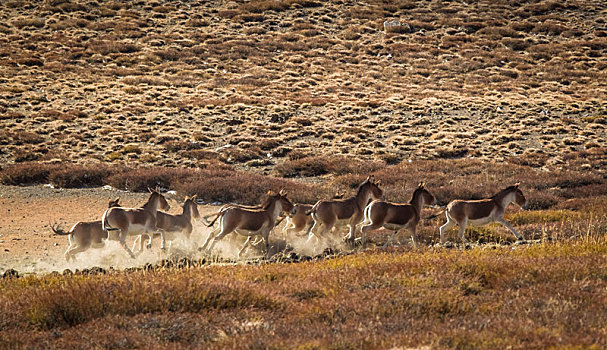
(248, 233)
(481, 222)
(136, 229)
(393, 227)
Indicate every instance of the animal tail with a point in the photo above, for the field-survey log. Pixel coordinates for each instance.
(313, 210)
(444, 209)
(57, 230)
(217, 216)
(104, 223)
(206, 217)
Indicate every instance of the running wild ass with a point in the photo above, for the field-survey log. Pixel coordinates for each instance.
(85, 235)
(135, 221)
(298, 220)
(171, 226)
(327, 214)
(482, 212)
(250, 222)
(393, 216)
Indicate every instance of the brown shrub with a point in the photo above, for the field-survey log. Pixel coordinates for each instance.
(72, 176)
(28, 22)
(105, 47)
(139, 180)
(27, 173)
(236, 187)
(315, 166)
(26, 138)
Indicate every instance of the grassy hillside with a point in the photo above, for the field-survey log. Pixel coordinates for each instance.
(254, 83)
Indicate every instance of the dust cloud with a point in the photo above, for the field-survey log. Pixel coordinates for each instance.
(113, 255)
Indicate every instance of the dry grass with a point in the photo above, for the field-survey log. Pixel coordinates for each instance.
(228, 100)
(446, 69)
(434, 297)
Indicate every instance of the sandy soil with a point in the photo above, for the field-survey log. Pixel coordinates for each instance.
(28, 245)
(27, 242)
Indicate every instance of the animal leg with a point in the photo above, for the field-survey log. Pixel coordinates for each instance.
(462, 230)
(266, 240)
(123, 244)
(505, 223)
(449, 224)
(289, 225)
(307, 228)
(211, 236)
(163, 241)
(365, 229)
(74, 250)
(67, 252)
(353, 228)
(413, 236)
(245, 246)
(390, 239)
(122, 240)
(137, 241)
(216, 239)
(313, 231)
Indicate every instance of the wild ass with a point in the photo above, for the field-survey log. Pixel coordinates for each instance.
(482, 212)
(135, 221)
(327, 214)
(250, 222)
(173, 225)
(393, 216)
(298, 220)
(84, 235)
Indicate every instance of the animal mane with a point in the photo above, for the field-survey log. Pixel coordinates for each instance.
(504, 191)
(266, 203)
(415, 194)
(360, 187)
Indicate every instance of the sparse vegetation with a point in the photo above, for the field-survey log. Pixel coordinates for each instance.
(438, 297)
(228, 100)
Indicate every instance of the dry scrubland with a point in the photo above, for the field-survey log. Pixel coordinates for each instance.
(170, 83)
(550, 295)
(230, 99)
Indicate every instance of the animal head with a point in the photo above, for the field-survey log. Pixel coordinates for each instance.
(114, 203)
(158, 198)
(281, 197)
(519, 197)
(191, 205)
(426, 195)
(373, 186)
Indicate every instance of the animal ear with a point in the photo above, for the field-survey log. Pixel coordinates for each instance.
(516, 185)
(150, 190)
(283, 193)
(378, 182)
(193, 198)
(270, 193)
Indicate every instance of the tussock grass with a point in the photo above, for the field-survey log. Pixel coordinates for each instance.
(450, 298)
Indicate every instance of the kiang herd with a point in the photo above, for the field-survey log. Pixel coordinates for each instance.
(366, 211)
